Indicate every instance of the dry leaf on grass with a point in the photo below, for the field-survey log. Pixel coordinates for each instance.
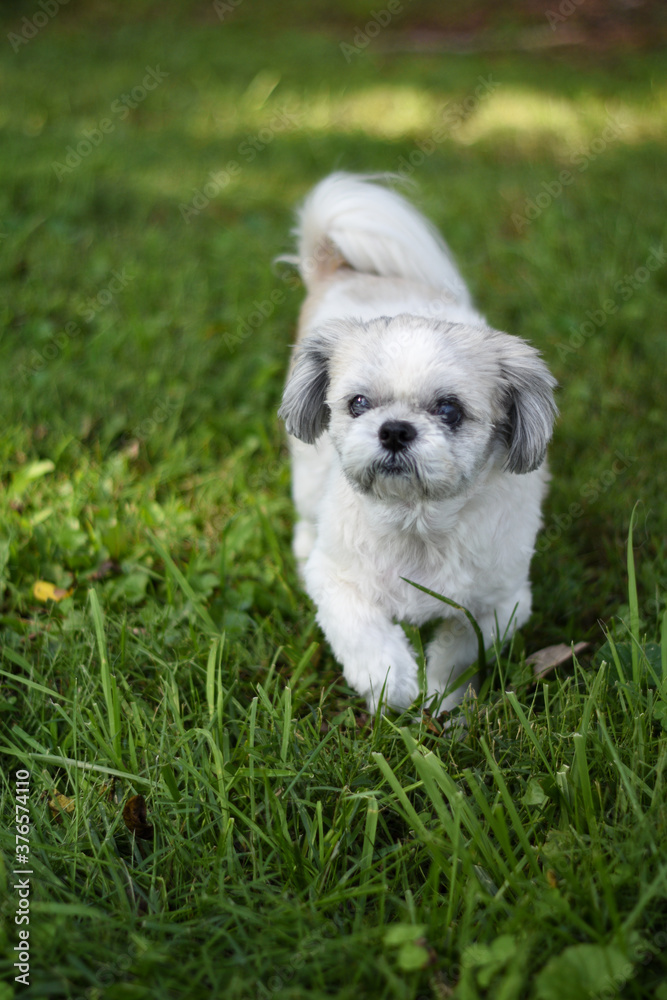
(59, 804)
(135, 817)
(45, 591)
(547, 659)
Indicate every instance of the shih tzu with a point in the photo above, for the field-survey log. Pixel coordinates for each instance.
(418, 436)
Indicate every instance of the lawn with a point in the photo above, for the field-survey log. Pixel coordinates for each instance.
(211, 812)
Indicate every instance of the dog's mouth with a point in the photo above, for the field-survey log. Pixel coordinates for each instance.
(396, 464)
(392, 467)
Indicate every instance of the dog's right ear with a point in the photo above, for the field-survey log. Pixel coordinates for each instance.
(528, 387)
(304, 408)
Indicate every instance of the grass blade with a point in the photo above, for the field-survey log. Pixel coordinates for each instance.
(109, 686)
(528, 730)
(481, 650)
(366, 864)
(633, 601)
(519, 829)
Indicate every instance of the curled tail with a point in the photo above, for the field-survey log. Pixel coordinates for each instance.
(347, 220)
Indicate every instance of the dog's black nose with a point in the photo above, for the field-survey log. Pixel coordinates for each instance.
(395, 435)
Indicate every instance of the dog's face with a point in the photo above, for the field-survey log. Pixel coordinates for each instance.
(416, 408)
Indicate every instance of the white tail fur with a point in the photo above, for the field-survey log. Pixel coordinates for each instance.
(374, 230)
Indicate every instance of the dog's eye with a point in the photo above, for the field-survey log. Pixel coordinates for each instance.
(358, 405)
(449, 410)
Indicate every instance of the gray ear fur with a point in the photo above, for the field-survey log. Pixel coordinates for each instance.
(303, 407)
(531, 409)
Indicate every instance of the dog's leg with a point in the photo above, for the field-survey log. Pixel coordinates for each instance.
(451, 651)
(454, 647)
(310, 468)
(373, 651)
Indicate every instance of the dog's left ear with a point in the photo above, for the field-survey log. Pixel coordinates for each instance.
(304, 407)
(528, 387)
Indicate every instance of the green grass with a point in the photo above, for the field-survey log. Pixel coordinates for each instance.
(297, 849)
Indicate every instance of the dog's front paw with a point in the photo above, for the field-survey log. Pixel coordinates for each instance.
(388, 676)
(398, 695)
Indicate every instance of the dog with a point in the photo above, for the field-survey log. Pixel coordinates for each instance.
(418, 436)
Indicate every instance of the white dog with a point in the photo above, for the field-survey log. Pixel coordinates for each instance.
(417, 437)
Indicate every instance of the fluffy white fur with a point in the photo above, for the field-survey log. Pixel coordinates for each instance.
(417, 435)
